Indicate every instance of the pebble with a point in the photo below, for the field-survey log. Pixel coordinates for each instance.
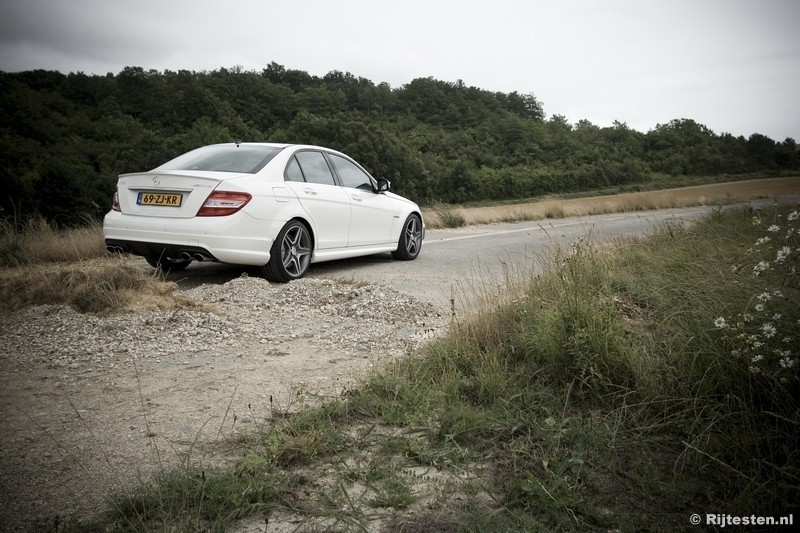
(246, 314)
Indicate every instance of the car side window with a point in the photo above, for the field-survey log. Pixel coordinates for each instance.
(350, 174)
(293, 172)
(314, 167)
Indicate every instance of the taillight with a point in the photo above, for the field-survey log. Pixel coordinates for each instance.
(115, 202)
(222, 203)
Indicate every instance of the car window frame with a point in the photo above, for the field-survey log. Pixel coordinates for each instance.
(332, 171)
(294, 160)
(372, 181)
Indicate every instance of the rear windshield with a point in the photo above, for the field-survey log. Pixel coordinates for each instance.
(243, 158)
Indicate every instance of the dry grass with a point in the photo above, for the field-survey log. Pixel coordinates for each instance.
(41, 264)
(90, 286)
(713, 194)
(39, 242)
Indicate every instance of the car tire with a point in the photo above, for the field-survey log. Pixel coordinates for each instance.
(167, 264)
(290, 255)
(410, 243)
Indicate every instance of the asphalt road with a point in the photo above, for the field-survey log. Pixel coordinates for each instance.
(459, 267)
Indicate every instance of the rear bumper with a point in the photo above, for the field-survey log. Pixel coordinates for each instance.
(151, 249)
(238, 239)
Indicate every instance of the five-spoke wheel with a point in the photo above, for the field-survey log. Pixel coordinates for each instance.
(410, 243)
(290, 254)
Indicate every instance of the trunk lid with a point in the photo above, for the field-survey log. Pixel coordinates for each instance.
(169, 193)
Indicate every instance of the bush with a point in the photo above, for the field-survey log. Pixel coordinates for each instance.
(448, 216)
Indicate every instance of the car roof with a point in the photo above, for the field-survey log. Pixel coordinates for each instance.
(276, 145)
(297, 146)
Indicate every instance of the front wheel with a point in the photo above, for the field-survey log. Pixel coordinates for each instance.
(410, 243)
(290, 255)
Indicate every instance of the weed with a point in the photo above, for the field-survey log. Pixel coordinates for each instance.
(447, 216)
(555, 211)
(38, 242)
(766, 330)
(606, 376)
(90, 286)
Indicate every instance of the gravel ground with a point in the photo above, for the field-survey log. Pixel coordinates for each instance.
(93, 404)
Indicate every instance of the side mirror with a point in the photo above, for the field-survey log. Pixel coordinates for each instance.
(383, 185)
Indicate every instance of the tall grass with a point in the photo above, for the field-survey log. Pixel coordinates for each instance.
(445, 216)
(90, 286)
(606, 395)
(38, 241)
(617, 391)
(42, 264)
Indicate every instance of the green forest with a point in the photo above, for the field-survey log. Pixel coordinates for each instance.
(64, 138)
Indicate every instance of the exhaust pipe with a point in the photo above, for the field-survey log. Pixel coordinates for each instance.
(185, 256)
(114, 249)
(199, 257)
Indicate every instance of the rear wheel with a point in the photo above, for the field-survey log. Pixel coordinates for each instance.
(410, 242)
(167, 264)
(291, 253)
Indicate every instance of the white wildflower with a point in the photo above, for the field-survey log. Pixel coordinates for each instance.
(768, 330)
(759, 307)
(764, 297)
(793, 216)
(762, 240)
(774, 228)
(760, 267)
(787, 362)
(720, 323)
(757, 358)
(783, 253)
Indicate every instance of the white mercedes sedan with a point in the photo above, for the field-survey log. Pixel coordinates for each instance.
(278, 206)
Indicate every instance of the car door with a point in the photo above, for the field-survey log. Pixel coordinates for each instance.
(371, 213)
(327, 204)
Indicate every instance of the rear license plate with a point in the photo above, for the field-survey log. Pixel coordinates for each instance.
(159, 198)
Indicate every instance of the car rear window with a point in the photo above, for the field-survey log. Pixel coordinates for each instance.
(247, 159)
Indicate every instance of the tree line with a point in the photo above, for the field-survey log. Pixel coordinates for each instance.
(64, 138)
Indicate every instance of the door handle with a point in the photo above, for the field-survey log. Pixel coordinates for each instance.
(312, 192)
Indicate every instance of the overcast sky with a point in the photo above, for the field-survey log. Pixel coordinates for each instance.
(732, 65)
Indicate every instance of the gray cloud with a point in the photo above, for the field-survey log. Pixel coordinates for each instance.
(733, 65)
